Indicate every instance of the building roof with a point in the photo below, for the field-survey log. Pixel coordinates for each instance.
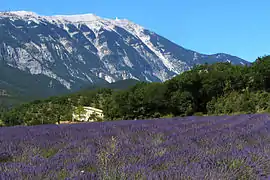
(92, 108)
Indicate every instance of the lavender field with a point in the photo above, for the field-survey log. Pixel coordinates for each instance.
(223, 147)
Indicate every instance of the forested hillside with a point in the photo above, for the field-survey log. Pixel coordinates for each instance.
(220, 88)
(59, 108)
(20, 86)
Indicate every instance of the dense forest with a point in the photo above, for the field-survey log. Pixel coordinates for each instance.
(215, 89)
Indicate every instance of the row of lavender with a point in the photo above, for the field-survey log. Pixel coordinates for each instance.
(224, 147)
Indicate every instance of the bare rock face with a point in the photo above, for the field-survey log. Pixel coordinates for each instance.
(77, 50)
(3, 92)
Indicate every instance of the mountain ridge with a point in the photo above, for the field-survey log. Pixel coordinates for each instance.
(78, 50)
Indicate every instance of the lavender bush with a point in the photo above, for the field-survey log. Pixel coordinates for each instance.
(217, 147)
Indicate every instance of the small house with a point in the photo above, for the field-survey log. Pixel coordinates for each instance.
(86, 114)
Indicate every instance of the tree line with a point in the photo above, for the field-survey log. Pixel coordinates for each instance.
(209, 89)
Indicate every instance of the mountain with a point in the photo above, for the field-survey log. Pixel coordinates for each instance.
(15, 84)
(74, 51)
(16, 93)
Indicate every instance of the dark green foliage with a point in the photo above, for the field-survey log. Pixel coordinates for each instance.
(144, 100)
(94, 117)
(182, 103)
(58, 108)
(118, 85)
(220, 88)
(54, 109)
(246, 102)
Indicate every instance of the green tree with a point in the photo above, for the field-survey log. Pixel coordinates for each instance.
(182, 103)
(80, 111)
(94, 117)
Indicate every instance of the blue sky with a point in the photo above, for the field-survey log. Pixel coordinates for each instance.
(237, 27)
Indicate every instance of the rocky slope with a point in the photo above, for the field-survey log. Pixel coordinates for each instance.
(78, 50)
